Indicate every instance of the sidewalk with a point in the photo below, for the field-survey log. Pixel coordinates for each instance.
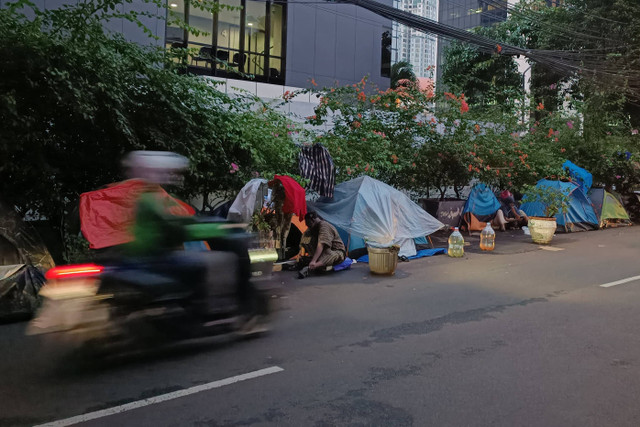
(509, 242)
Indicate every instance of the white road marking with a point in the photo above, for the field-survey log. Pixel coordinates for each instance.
(551, 248)
(620, 282)
(162, 398)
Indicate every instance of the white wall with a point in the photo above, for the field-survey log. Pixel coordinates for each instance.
(298, 108)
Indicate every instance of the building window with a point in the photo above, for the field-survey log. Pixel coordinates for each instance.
(385, 69)
(250, 39)
(175, 36)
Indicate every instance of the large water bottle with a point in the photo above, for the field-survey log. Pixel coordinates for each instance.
(488, 238)
(456, 244)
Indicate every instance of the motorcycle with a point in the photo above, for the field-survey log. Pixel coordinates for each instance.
(134, 304)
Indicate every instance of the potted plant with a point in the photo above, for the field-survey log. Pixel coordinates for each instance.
(261, 223)
(553, 201)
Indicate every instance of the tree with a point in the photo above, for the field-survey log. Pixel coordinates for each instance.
(74, 100)
(402, 70)
(486, 80)
(586, 50)
(589, 52)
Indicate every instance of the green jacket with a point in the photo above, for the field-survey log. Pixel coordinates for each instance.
(155, 231)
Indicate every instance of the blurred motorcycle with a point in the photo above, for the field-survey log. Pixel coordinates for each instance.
(134, 304)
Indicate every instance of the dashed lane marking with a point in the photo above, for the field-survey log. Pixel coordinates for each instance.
(551, 248)
(161, 398)
(620, 282)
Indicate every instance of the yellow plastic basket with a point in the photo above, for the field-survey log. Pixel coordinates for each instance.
(383, 260)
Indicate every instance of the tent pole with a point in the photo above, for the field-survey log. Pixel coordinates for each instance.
(348, 243)
(431, 242)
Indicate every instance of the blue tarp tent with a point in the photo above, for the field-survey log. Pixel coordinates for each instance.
(580, 176)
(356, 242)
(580, 215)
(482, 203)
(365, 208)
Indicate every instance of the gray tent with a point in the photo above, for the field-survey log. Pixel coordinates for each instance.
(376, 212)
(248, 200)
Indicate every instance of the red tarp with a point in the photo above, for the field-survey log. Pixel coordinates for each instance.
(294, 196)
(107, 215)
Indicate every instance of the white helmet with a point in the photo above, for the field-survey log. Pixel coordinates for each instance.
(159, 167)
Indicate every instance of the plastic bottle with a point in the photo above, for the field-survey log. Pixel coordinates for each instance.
(456, 244)
(488, 238)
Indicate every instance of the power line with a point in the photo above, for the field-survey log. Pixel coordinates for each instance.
(552, 59)
(515, 11)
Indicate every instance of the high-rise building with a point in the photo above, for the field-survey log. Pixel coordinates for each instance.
(415, 47)
(270, 47)
(467, 14)
(284, 43)
(265, 41)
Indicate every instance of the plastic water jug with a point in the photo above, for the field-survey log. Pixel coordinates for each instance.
(488, 238)
(456, 244)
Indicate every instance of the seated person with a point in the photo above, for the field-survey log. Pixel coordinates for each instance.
(322, 243)
(509, 213)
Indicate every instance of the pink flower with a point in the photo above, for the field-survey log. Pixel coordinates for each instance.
(634, 131)
(570, 124)
(618, 177)
(234, 168)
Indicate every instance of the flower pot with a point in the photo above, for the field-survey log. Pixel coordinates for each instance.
(383, 260)
(542, 229)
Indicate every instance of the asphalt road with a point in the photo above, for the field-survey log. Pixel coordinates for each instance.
(519, 337)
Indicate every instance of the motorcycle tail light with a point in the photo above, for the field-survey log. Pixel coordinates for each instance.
(73, 271)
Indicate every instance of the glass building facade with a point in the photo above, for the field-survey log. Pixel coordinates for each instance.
(244, 37)
(469, 14)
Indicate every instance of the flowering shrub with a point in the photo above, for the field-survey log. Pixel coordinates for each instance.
(421, 141)
(393, 135)
(373, 131)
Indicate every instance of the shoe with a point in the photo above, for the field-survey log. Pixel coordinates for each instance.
(303, 273)
(253, 326)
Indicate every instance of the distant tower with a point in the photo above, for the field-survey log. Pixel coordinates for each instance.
(416, 47)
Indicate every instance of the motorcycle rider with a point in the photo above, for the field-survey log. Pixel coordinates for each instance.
(157, 233)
